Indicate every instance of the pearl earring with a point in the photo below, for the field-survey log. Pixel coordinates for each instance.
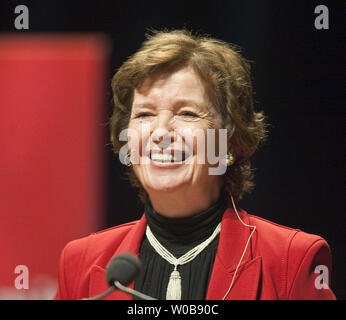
(128, 155)
(229, 159)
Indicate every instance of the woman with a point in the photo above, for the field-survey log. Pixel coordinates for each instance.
(184, 119)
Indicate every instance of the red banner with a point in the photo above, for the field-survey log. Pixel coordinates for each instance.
(52, 144)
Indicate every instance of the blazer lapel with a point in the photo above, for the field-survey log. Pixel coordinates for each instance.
(130, 244)
(233, 238)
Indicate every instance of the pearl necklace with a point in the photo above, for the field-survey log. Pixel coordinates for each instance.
(174, 284)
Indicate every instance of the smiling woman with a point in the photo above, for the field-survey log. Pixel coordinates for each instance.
(179, 100)
(206, 83)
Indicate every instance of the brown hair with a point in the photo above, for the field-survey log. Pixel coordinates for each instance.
(228, 79)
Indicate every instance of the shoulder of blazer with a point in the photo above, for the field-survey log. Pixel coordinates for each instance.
(100, 243)
(289, 253)
(80, 255)
(279, 237)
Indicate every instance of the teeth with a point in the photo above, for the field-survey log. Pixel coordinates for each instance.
(162, 157)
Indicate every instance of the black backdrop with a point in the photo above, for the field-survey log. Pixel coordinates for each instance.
(298, 76)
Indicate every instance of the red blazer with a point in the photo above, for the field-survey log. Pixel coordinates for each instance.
(279, 262)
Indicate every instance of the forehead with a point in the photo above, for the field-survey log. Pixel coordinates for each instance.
(183, 84)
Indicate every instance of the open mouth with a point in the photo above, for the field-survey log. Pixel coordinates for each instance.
(172, 157)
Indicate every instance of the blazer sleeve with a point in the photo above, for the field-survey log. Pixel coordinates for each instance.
(70, 282)
(309, 268)
(61, 292)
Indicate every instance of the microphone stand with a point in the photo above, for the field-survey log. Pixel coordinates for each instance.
(102, 295)
(118, 285)
(134, 293)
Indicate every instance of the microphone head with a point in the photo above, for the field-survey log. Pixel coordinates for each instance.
(123, 268)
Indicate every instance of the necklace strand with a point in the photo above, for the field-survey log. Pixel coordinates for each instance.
(174, 285)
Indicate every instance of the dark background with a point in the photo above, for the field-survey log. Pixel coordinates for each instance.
(299, 82)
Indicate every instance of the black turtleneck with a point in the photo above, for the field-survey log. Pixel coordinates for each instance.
(179, 235)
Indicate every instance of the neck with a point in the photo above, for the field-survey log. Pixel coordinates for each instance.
(185, 230)
(183, 203)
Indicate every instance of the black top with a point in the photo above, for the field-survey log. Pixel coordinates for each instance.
(179, 235)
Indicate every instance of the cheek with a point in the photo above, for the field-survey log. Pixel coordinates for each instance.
(138, 139)
(191, 137)
(200, 146)
(206, 150)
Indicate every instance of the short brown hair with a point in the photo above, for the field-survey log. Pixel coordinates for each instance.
(228, 79)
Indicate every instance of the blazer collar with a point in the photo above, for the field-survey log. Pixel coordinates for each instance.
(233, 238)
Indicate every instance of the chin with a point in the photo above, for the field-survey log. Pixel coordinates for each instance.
(165, 184)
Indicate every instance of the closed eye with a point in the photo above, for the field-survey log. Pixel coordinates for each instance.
(143, 115)
(188, 114)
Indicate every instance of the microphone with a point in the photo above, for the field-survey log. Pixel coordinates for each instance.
(121, 271)
(123, 268)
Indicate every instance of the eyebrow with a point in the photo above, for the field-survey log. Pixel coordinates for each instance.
(143, 104)
(177, 103)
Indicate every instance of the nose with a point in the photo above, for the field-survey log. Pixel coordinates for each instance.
(162, 131)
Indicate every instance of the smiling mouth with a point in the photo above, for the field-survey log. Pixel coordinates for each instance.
(173, 157)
